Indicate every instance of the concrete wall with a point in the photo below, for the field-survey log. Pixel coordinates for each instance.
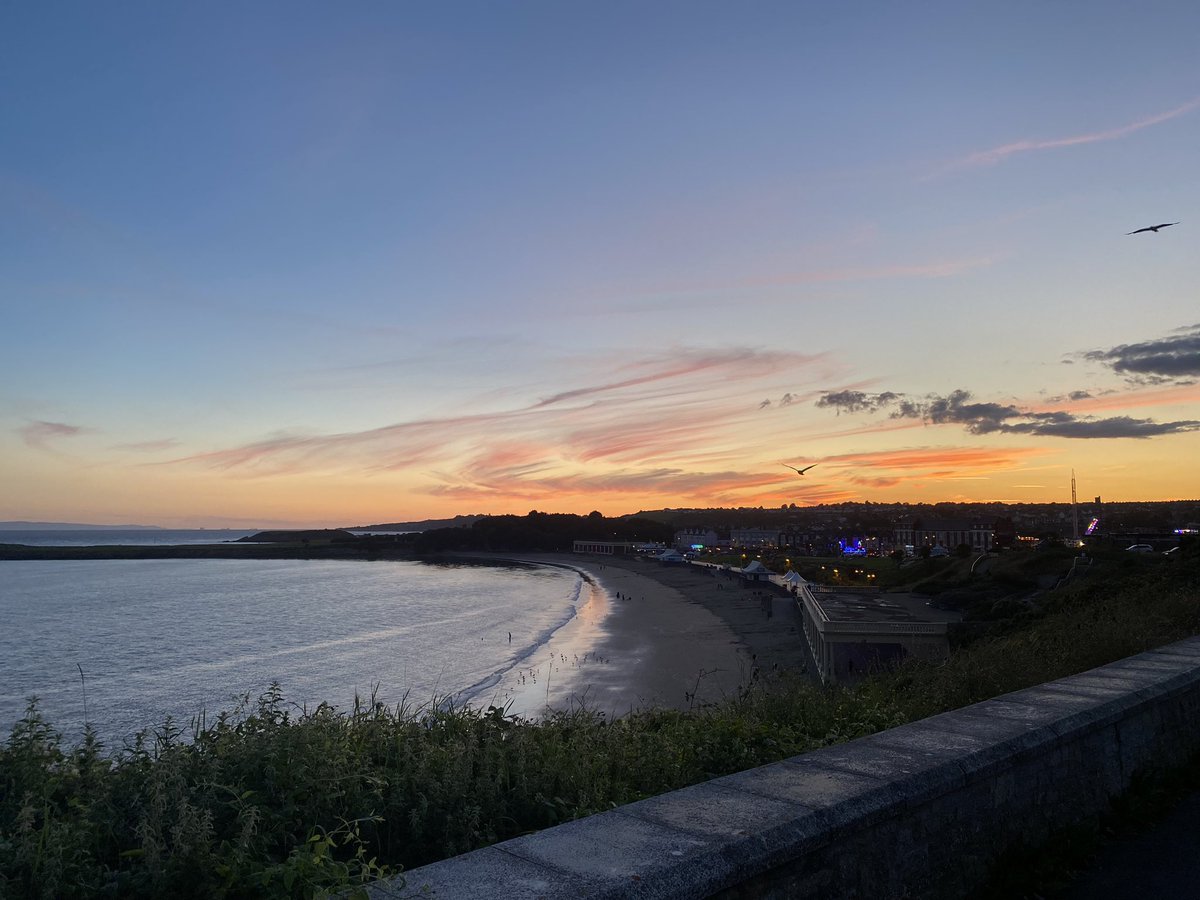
(923, 810)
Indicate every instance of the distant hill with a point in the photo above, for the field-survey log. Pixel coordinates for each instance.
(286, 537)
(423, 525)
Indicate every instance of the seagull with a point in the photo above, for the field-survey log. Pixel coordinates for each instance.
(1153, 228)
(798, 471)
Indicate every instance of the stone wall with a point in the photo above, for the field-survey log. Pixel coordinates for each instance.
(923, 810)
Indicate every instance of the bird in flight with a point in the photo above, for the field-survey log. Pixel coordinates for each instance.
(1153, 228)
(798, 471)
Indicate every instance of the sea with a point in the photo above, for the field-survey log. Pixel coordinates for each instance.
(128, 537)
(124, 644)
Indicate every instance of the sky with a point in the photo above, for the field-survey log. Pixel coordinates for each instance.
(328, 264)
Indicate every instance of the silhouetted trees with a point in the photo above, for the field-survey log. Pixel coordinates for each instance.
(541, 531)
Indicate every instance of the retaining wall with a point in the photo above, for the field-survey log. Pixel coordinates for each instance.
(923, 810)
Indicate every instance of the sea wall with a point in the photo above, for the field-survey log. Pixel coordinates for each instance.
(923, 810)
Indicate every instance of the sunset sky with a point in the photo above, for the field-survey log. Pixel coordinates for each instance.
(329, 264)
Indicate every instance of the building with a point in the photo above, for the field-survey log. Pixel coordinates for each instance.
(808, 541)
(754, 537)
(948, 533)
(853, 632)
(695, 538)
(607, 548)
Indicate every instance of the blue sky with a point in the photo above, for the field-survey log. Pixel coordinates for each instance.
(301, 264)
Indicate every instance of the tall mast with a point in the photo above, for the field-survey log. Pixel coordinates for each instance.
(1074, 508)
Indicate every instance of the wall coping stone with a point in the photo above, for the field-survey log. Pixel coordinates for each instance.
(787, 822)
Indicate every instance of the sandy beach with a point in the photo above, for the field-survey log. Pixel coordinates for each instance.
(653, 635)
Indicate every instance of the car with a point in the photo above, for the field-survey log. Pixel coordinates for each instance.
(1139, 548)
(1173, 553)
(935, 552)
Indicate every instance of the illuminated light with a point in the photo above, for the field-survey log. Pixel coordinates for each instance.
(852, 548)
(1092, 526)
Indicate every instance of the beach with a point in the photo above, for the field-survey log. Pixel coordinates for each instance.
(678, 637)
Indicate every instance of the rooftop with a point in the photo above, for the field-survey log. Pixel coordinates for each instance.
(891, 608)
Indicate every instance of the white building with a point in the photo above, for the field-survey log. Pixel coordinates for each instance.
(695, 538)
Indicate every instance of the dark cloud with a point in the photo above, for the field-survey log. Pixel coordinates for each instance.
(1115, 427)
(1165, 359)
(980, 418)
(957, 408)
(996, 418)
(856, 401)
(1072, 396)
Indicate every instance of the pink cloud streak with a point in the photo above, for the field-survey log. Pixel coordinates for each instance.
(667, 404)
(999, 154)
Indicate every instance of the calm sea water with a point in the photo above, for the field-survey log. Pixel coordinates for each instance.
(174, 637)
(126, 537)
(129, 537)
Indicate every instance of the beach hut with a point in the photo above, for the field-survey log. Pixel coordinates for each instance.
(756, 571)
(793, 581)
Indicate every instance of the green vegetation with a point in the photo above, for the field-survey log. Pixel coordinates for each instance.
(267, 801)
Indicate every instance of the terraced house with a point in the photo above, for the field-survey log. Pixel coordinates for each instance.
(948, 533)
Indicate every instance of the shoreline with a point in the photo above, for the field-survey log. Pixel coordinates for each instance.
(679, 638)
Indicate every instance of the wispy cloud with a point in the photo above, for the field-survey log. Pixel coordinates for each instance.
(148, 446)
(649, 485)
(685, 363)
(934, 461)
(39, 434)
(657, 414)
(1004, 151)
(883, 469)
